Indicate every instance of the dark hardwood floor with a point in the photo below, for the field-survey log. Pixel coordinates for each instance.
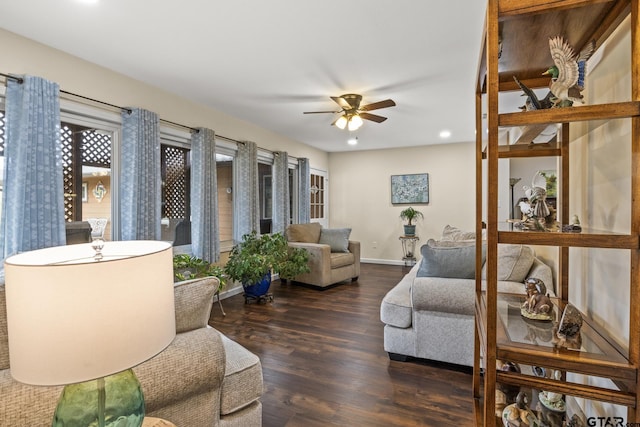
(324, 363)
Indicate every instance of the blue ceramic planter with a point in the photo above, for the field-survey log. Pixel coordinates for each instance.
(259, 289)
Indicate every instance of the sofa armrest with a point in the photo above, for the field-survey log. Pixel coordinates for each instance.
(193, 364)
(456, 296)
(319, 256)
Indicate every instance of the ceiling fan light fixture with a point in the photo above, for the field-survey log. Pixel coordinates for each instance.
(341, 123)
(355, 122)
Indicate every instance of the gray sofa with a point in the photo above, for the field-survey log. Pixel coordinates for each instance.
(433, 317)
(202, 379)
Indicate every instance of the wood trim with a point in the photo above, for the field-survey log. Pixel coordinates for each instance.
(573, 114)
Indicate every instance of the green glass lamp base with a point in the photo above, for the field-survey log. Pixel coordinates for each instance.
(113, 401)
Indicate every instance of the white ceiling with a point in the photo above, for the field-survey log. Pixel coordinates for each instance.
(269, 61)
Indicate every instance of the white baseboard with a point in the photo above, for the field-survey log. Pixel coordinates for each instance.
(381, 261)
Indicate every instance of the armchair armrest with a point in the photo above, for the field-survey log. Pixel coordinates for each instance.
(319, 257)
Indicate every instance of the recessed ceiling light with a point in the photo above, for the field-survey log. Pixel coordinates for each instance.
(353, 141)
(445, 134)
(88, 1)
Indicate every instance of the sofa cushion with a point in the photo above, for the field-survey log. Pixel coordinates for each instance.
(305, 233)
(336, 238)
(340, 259)
(4, 333)
(193, 300)
(455, 234)
(448, 261)
(242, 383)
(514, 262)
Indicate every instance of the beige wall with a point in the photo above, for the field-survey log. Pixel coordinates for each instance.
(600, 194)
(24, 56)
(360, 194)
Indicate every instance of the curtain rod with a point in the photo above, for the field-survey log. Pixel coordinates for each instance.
(20, 80)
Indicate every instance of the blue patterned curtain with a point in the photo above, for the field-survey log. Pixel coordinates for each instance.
(246, 216)
(281, 204)
(205, 237)
(33, 193)
(304, 191)
(140, 179)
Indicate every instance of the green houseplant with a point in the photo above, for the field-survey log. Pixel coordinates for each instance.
(253, 260)
(410, 215)
(187, 267)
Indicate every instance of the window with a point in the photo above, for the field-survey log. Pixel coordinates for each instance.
(317, 196)
(86, 171)
(265, 182)
(224, 169)
(176, 194)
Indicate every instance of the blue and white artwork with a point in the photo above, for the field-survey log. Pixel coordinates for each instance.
(412, 188)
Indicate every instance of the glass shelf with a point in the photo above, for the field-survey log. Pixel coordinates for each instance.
(530, 342)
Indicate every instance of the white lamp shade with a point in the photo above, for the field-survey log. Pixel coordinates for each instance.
(341, 123)
(72, 319)
(355, 122)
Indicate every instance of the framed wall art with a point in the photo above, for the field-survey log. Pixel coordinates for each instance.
(412, 188)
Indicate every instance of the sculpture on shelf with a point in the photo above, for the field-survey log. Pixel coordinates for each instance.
(537, 305)
(567, 75)
(538, 215)
(518, 414)
(567, 332)
(532, 102)
(505, 393)
(575, 421)
(551, 406)
(574, 227)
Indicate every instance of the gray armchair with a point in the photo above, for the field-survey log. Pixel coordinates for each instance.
(333, 258)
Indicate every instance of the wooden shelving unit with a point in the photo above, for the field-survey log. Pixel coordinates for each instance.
(515, 43)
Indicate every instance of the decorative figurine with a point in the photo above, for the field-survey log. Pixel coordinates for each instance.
(538, 216)
(575, 421)
(567, 333)
(551, 406)
(505, 393)
(518, 414)
(574, 227)
(537, 305)
(532, 102)
(567, 75)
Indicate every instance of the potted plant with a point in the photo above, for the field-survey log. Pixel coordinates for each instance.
(252, 261)
(410, 214)
(187, 267)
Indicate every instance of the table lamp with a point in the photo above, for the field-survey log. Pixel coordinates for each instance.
(82, 316)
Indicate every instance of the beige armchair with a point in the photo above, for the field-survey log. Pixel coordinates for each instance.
(333, 258)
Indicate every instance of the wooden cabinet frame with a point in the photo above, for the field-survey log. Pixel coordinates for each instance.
(531, 22)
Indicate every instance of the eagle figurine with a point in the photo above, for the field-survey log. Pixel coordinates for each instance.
(568, 73)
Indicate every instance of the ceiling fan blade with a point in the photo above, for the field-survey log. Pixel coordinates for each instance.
(377, 105)
(373, 117)
(341, 102)
(320, 112)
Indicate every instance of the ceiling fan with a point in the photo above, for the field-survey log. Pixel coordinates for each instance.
(353, 112)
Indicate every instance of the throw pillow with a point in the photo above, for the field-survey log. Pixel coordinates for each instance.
(304, 233)
(455, 234)
(336, 238)
(443, 259)
(514, 262)
(193, 300)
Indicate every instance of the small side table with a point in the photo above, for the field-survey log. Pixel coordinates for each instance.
(156, 422)
(409, 250)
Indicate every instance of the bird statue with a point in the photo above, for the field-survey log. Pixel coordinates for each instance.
(532, 102)
(568, 73)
